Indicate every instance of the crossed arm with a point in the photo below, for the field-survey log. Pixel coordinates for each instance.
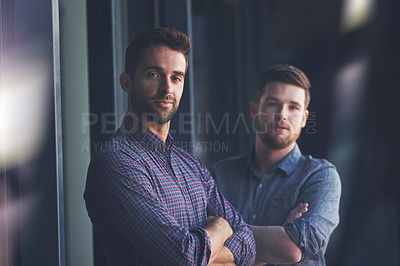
(273, 244)
(129, 203)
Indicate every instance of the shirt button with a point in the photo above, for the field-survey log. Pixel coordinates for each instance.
(260, 186)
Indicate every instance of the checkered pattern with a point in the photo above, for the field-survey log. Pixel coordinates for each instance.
(148, 202)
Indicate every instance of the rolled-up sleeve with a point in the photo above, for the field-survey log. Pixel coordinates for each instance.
(241, 243)
(311, 232)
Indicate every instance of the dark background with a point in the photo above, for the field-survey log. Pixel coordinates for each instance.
(353, 68)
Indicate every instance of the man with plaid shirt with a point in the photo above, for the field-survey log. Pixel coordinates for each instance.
(150, 202)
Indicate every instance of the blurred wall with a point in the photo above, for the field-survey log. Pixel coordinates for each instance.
(76, 131)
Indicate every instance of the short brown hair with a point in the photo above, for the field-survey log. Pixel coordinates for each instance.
(284, 73)
(172, 38)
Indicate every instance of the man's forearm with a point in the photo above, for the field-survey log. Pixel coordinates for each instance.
(273, 245)
(225, 257)
(218, 230)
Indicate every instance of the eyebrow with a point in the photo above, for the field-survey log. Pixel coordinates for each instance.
(277, 100)
(161, 69)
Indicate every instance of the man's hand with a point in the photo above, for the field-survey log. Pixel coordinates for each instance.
(218, 223)
(296, 213)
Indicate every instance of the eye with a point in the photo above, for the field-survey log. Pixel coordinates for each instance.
(294, 107)
(153, 75)
(271, 104)
(176, 79)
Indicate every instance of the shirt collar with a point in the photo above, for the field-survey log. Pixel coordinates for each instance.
(287, 164)
(133, 128)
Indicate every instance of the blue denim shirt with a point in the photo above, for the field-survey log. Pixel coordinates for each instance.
(268, 200)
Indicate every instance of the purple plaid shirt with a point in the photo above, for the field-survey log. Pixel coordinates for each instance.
(148, 202)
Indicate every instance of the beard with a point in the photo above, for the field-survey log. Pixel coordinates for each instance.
(152, 113)
(274, 141)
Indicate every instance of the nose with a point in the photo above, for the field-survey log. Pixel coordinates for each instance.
(165, 86)
(281, 114)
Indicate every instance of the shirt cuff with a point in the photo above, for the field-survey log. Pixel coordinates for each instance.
(295, 234)
(206, 244)
(243, 253)
(234, 244)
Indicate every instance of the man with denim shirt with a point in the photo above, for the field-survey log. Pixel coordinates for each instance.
(291, 200)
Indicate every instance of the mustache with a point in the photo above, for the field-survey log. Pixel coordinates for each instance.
(162, 98)
(282, 124)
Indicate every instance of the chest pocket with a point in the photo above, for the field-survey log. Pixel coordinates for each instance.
(280, 207)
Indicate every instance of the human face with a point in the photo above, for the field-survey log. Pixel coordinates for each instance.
(157, 84)
(280, 114)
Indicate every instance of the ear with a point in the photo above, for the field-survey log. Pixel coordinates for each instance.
(305, 116)
(126, 81)
(253, 109)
